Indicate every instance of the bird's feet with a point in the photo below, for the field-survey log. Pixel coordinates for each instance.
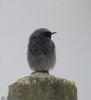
(43, 71)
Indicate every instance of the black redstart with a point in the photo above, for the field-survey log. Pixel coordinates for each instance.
(41, 54)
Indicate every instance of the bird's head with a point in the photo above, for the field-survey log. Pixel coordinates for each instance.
(43, 32)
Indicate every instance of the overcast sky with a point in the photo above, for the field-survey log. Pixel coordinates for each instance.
(70, 18)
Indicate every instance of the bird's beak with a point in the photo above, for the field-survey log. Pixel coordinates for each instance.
(54, 32)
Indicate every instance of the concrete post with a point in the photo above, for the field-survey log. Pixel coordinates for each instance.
(41, 86)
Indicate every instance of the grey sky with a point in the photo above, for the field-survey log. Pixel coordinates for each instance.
(70, 18)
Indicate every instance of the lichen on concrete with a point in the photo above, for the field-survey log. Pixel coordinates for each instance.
(42, 87)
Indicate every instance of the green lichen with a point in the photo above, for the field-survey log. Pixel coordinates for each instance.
(42, 87)
(73, 89)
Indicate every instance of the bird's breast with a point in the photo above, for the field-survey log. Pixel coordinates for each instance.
(42, 46)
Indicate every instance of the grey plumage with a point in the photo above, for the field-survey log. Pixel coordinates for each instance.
(41, 51)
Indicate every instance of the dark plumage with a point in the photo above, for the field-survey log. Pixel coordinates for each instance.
(41, 51)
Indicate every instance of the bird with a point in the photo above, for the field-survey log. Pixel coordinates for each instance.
(41, 54)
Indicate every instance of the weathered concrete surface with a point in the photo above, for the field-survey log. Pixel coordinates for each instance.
(42, 87)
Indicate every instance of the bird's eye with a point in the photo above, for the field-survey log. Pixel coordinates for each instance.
(47, 34)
